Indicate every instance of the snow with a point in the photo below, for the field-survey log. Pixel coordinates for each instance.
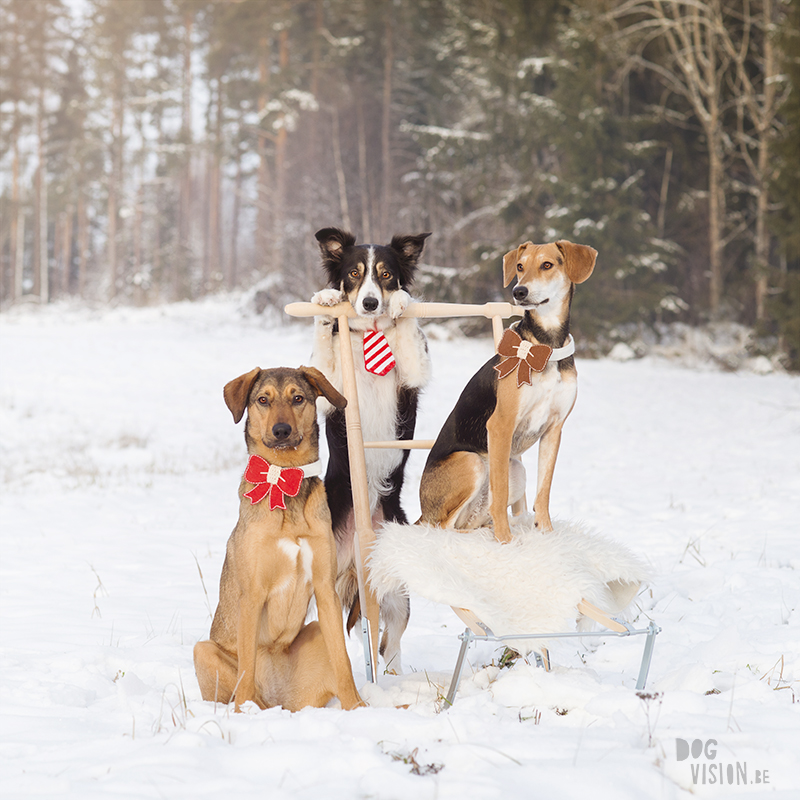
(120, 465)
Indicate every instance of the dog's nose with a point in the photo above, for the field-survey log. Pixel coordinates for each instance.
(370, 303)
(281, 430)
(520, 293)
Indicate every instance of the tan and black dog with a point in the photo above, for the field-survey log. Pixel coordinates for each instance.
(280, 552)
(519, 397)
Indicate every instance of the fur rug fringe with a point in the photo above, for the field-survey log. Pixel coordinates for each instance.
(532, 585)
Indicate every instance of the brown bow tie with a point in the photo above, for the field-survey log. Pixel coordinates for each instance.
(518, 352)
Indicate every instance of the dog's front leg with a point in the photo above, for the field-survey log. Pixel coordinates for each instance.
(329, 608)
(247, 648)
(398, 303)
(410, 347)
(500, 430)
(411, 353)
(329, 611)
(548, 452)
(322, 356)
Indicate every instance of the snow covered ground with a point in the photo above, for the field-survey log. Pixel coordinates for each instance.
(120, 465)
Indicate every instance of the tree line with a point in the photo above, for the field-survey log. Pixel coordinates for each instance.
(157, 150)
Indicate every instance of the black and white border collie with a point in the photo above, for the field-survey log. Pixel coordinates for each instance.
(375, 279)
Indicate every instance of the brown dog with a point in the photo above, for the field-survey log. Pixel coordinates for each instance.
(280, 552)
(519, 397)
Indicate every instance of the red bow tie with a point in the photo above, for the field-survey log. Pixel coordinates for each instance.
(268, 478)
(521, 353)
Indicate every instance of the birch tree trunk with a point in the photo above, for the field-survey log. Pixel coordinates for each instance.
(113, 192)
(386, 141)
(366, 223)
(83, 245)
(341, 179)
(233, 251)
(262, 188)
(66, 272)
(17, 232)
(19, 253)
(761, 93)
(279, 213)
(44, 278)
(769, 109)
(696, 68)
(182, 267)
(214, 239)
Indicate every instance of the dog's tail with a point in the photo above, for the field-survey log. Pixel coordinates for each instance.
(347, 589)
(395, 611)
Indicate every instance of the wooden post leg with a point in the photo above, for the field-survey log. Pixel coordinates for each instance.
(497, 330)
(365, 535)
(546, 659)
(593, 612)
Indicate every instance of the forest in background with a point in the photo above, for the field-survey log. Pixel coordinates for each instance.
(162, 150)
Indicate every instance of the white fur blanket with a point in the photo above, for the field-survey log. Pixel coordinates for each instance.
(531, 585)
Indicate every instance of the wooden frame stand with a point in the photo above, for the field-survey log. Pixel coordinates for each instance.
(364, 533)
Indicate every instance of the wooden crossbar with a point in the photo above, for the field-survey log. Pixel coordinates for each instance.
(418, 310)
(402, 444)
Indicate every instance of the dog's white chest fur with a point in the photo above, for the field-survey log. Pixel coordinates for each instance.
(300, 554)
(296, 574)
(377, 395)
(548, 400)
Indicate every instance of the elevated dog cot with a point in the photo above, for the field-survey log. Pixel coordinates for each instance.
(475, 630)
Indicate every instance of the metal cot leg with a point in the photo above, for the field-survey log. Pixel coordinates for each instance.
(466, 638)
(647, 655)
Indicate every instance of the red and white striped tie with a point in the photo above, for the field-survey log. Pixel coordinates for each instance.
(378, 358)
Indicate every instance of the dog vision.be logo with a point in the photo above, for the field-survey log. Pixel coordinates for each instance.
(707, 771)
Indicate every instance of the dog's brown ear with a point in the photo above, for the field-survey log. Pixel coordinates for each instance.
(510, 261)
(579, 260)
(323, 387)
(237, 392)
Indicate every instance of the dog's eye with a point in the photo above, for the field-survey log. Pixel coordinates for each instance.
(353, 273)
(519, 267)
(263, 400)
(298, 399)
(547, 265)
(386, 275)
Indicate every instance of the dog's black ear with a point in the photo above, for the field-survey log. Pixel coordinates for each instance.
(579, 260)
(237, 392)
(332, 242)
(510, 261)
(323, 387)
(409, 247)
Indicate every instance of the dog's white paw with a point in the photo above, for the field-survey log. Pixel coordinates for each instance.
(327, 297)
(399, 303)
